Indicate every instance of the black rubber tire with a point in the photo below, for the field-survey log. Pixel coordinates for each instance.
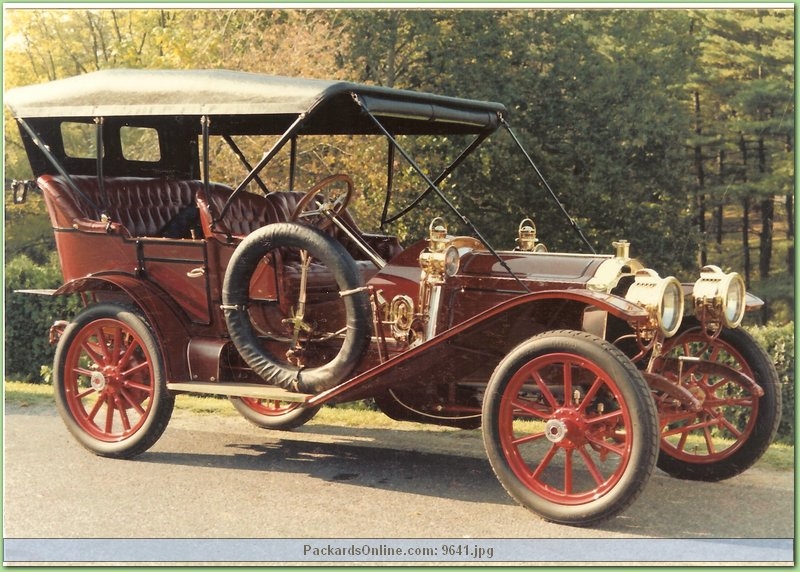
(618, 382)
(108, 379)
(293, 418)
(235, 298)
(745, 453)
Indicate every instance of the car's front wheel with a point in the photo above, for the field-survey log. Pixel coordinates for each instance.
(570, 427)
(735, 424)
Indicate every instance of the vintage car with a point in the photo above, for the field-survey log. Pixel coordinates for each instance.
(584, 371)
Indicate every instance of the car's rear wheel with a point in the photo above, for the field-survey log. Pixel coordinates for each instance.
(273, 414)
(109, 382)
(570, 427)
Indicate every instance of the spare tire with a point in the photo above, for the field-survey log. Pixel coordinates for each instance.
(235, 299)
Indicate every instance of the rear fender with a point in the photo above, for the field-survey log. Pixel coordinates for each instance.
(159, 310)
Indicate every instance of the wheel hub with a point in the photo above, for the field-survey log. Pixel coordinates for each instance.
(566, 429)
(555, 430)
(98, 381)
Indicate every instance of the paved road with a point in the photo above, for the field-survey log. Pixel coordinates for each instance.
(220, 477)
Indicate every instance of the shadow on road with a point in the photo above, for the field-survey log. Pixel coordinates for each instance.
(360, 465)
(376, 459)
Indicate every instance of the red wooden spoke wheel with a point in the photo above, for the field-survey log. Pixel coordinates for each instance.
(110, 387)
(570, 427)
(273, 414)
(735, 425)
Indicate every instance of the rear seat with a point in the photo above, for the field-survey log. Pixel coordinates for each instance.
(135, 206)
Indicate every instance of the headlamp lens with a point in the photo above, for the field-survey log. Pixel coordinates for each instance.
(671, 306)
(734, 301)
(451, 261)
(719, 297)
(662, 297)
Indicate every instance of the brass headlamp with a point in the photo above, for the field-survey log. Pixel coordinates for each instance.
(661, 297)
(719, 298)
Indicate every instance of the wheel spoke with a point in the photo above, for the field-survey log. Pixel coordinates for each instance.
(604, 418)
(82, 371)
(129, 351)
(82, 394)
(712, 388)
(544, 463)
(568, 471)
(97, 405)
(690, 428)
(730, 427)
(133, 403)
(95, 355)
(116, 344)
(527, 439)
(744, 401)
(567, 379)
(682, 441)
(591, 466)
(709, 441)
(548, 395)
(526, 408)
(606, 445)
(591, 393)
(126, 423)
(109, 415)
(138, 368)
(138, 386)
(102, 346)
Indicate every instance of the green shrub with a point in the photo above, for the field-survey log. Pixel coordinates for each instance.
(28, 317)
(779, 343)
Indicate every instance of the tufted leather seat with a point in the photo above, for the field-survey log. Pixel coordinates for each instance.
(136, 206)
(247, 212)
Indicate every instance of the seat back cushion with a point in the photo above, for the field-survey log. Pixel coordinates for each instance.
(144, 206)
(248, 211)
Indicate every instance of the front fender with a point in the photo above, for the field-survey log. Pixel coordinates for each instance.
(614, 305)
(477, 344)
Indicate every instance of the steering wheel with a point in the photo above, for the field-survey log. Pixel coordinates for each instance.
(319, 210)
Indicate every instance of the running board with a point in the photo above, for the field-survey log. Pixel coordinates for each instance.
(239, 390)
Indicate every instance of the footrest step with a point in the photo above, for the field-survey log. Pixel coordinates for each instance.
(239, 390)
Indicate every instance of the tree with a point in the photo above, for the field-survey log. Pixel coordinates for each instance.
(748, 74)
(607, 102)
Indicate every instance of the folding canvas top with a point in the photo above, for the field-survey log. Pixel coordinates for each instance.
(269, 101)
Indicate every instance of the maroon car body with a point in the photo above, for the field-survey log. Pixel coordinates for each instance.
(585, 371)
